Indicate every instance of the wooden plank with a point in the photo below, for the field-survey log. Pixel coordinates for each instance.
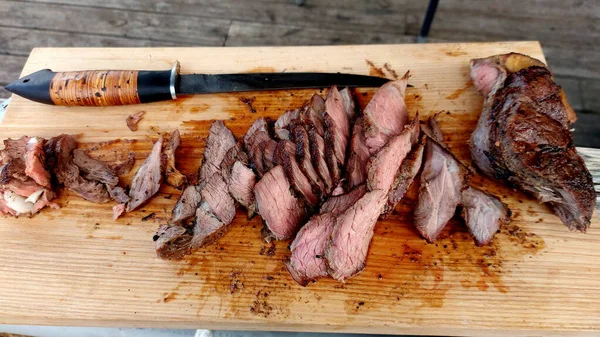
(256, 34)
(84, 269)
(112, 22)
(384, 16)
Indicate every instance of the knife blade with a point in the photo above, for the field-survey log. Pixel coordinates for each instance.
(121, 87)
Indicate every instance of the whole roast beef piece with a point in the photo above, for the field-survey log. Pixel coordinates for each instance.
(523, 138)
(59, 156)
(347, 248)
(337, 133)
(385, 116)
(441, 182)
(187, 203)
(220, 140)
(241, 186)
(172, 175)
(173, 242)
(147, 179)
(483, 214)
(281, 211)
(307, 262)
(35, 162)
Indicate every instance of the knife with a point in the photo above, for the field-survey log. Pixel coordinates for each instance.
(120, 87)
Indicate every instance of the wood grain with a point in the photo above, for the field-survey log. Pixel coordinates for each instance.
(95, 88)
(537, 278)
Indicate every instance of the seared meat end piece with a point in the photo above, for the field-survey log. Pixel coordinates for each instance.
(523, 138)
(406, 174)
(282, 212)
(346, 250)
(483, 214)
(147, 179)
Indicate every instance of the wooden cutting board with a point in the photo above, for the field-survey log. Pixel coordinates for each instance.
(74, 266)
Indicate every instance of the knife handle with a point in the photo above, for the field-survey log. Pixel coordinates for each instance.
(98, 87)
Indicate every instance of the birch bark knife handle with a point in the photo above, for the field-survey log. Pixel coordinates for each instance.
(98, 87)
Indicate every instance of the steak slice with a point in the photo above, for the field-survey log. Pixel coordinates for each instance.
(13, 149)
(268, 157)
(304, 157)
(172, 175)
(312, 115)
(216, 195)
(287, 159)
(173, 242)
(207, 228)
(220, 140)
(317, 155)
(442, 180)
(282, 124)
(349, 103)
(35, 162)
(241, 186)
(259, 126)
(385, 116)
(59, 156)
(281, 211)
(94, 170)
(337, 133)
(307, 262)
(383, 167)
(147, 179)
(406, 174)
(256, 157)
(187, 203)
(347, 248)
(483, 213)
(235, 153)
(523, 138)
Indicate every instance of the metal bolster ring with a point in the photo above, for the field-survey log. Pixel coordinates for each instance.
(174, 74)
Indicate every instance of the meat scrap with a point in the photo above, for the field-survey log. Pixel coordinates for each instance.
(133, 120)
(147, 179)
(483, 213)
(172, 175)
(523, 137)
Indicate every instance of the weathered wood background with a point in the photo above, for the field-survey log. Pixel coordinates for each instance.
(568, 30)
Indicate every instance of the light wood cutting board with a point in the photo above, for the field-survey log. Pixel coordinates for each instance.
(74, 266)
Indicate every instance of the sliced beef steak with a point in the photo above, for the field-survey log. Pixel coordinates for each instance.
(173, 242)
(483, 214)
(207, 227)
(349, 104)
(268, 156)
(59, 153)
(523, 138)
(216, 195)
(346, 250)
(94, 169)
(441, 182)
(312, 115)
(304, 157)
(35, 162)
(172, 175)
(282, 124)
(235, 153)
(337, 133)
(13, 149)
(385, 116)
(287, 159)
(307, 261)
(241, 186)
(220, 140)
(282, 212)
(187, 203)
(383, 167)
(317, 155)
(147, 179)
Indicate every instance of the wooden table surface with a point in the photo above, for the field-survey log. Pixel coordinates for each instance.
(74, 266)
